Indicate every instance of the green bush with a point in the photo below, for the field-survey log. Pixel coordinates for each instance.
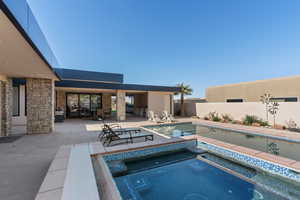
(250, 119)
(214, 116)
(263, 123)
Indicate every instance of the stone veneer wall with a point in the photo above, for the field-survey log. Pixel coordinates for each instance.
(121, 107)
(106, 102)
(6, 91)
(40, 105)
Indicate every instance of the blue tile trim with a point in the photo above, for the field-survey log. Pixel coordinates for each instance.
(149, 151)
(263, 165)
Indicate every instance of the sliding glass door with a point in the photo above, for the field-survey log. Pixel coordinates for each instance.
(83, 105)
(73, 105)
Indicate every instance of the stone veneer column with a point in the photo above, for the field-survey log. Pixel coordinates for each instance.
(6, 104)
(106, 102)
(121, 106)
(40, 105)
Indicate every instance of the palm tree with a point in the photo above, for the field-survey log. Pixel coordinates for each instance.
(184, 90)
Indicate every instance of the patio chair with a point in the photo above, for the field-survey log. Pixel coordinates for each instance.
(126, 135)
(167, 117)
(153, 117)
(103, 133)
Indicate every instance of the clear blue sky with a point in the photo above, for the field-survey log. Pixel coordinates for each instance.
(164, 42)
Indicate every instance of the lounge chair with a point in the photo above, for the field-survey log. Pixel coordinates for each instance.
(153, 117)
(126, 135)
(167, 117)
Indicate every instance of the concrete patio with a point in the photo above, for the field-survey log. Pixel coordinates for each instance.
(25, 162)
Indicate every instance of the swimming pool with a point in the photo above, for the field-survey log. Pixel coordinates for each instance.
(186, 176)
(276, 146)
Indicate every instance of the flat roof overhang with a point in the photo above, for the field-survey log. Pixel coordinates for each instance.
(19, 57)
(113, 86)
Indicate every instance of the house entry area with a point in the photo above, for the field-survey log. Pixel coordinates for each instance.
(80, 105)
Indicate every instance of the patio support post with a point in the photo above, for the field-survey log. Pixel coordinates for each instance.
(121, 105)
(6, 91)
(40, 105)
(172, 104)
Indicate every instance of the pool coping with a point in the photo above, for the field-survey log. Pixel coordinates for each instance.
(294, 165)
(242, 130)
(53, 185)
(218, 147)
(59, 173)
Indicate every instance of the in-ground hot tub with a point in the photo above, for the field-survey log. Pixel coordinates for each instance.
(184, 171)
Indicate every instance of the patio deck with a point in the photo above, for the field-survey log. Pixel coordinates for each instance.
(25, 162)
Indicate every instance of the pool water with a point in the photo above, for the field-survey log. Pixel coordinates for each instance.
(289, 149)
(190, 179)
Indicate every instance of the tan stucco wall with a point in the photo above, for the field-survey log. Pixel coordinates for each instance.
(159, 101)
(287, 110)
(60, 99)
(251, 91)
(18, 59)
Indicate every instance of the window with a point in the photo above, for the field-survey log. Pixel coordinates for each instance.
(234, 100)
(285, 99)
(16, 101)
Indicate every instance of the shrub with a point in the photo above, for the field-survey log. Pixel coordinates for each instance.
(251, 119)
(291, 124)
(214, 116)
(263, 123)
(227, 118)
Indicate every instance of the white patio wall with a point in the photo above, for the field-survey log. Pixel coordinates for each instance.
(287, 110)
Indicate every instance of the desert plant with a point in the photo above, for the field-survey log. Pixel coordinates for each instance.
(226, 118)
(214, 116)
(184, 90)
(250, 119)
(291, 124)
(263, 123)
(273, 110)
(266, 100)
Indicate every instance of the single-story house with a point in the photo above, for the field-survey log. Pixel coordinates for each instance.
(32, 87)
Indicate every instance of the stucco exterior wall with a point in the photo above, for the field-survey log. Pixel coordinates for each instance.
(159, 101)
(189, 108)
(61, 100)
(251, 91)
(287, 110)
(106, 102)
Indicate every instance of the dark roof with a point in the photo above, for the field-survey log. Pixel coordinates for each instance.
(70, 74)
(114, 86)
